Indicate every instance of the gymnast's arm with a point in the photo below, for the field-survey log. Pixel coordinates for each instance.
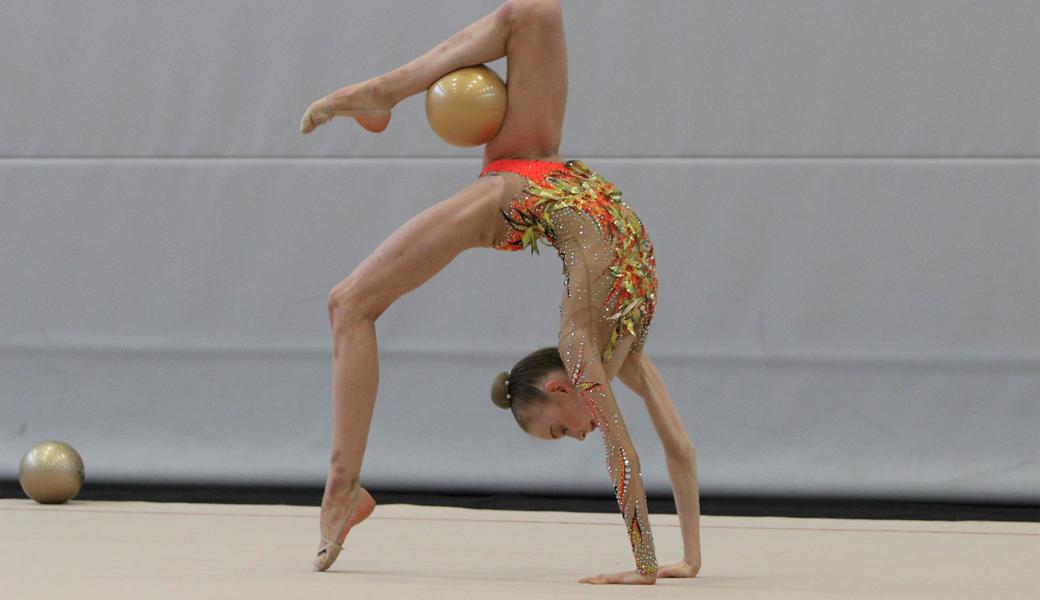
(580, 351)
(589, 377)
(640, 375)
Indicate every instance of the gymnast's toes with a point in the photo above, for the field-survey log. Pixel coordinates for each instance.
(317, 114)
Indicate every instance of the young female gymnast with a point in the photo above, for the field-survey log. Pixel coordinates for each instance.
(524, 193)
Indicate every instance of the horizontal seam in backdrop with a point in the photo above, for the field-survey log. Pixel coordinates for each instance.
(1013, 362)
(535, 522)
(587, 158)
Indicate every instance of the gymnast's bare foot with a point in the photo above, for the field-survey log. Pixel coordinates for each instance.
(333, 511)
(362, 101)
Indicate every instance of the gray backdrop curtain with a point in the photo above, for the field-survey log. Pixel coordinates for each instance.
(844, 197)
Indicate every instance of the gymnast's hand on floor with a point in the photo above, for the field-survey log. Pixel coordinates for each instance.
(623, 577)
(679, 569)
(362, 101)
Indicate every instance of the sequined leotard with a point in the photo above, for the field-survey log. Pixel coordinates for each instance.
(610, 288)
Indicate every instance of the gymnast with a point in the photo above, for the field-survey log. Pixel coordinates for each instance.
(525, 193)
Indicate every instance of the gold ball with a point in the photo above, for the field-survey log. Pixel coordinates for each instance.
(51, 472)
(466, 107)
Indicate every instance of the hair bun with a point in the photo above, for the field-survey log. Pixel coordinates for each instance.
(499, 391)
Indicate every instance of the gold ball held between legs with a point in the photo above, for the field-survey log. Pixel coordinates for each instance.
(467, 107)
(51, 472)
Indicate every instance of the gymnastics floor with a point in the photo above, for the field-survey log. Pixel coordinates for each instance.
(103, 549)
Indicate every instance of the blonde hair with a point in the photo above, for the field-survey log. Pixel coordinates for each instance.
(520, 390)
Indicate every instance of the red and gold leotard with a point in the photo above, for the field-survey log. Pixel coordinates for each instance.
(610, 288)
(555, 186)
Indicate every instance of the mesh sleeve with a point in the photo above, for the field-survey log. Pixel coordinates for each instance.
(585, 252)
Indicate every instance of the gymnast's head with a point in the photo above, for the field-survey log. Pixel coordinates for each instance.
(542, 398)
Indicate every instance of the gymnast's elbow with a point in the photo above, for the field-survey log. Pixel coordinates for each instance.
(683, 453)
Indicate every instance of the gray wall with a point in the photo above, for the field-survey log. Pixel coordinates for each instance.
(844, 197)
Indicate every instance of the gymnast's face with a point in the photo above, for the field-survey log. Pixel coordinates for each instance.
(564, 415)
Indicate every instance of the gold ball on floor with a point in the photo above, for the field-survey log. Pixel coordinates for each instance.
(466, 107)
(51, 472)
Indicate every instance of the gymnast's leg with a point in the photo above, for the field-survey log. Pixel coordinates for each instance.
(412, 254)
(528, 32)
(370, 101)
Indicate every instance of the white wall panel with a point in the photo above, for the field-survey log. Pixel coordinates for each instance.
(723, 78)
(762, 425)
(844, 197)
(827, 326)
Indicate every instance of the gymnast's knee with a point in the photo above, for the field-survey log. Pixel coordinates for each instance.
(533, 11)
(350, 303)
